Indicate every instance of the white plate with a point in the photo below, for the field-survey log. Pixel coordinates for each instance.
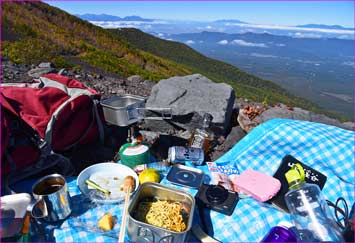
(109, 176)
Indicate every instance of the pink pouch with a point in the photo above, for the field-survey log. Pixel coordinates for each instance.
(260, 186)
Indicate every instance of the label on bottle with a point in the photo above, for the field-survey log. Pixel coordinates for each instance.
(200, 139)
(197, 141)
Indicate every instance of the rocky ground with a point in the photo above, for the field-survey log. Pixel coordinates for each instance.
(242, 117)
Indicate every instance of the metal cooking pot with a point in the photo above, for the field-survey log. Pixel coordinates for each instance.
(139, 231)
(125, 110)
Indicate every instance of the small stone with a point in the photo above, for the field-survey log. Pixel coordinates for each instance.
(39, 71)
(135, 79)
(46, 65)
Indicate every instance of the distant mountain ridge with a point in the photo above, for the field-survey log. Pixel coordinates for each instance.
(323, 26)
(98, 17)
(229, 21)
(107, 17)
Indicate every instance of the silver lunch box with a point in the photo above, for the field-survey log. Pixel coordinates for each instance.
(123, 110)
(127, 109)
(139, 231)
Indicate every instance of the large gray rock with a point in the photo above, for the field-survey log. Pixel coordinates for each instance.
(283, 111)
(301, 114)
(190, 97)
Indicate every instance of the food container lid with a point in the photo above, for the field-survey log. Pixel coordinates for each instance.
(185, 176)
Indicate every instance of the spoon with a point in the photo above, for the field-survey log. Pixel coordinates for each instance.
(128, 186)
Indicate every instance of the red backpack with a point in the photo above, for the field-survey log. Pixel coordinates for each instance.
(51, 113)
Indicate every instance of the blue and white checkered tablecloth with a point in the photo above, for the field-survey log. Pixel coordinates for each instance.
(327, 149)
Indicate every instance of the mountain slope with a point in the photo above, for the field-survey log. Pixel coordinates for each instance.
(34, 31)
(245, 85)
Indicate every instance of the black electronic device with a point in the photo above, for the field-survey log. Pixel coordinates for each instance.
(217, 198)
(311, 176)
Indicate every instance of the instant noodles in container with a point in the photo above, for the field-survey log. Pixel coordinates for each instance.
(139, 230)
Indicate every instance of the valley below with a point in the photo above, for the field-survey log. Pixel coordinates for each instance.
(319, 70)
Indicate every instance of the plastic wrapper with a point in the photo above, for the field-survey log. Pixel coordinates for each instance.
(223, 173)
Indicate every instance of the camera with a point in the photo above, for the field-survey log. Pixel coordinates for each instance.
(217, 198)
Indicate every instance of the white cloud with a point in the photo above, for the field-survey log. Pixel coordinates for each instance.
(345, 37)
(281, 27)
(201, 41)
(250, 44)
(160, 34)
(348, 63)
(222, 42)
(127, 24)
(209, 27)
(307, 35)
(262, 55)
(189, 42)
(281, 45)
(147, 27)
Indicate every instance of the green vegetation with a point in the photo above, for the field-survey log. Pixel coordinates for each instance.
(34, 32)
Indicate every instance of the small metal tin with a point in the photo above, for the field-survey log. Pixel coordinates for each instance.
(123, 110)
(185, 176)
(180, 154)
(139, 231)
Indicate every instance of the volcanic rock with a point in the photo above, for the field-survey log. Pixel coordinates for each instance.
(190, 97)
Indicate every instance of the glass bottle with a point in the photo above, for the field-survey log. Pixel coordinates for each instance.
(309, 210)
(201, 137)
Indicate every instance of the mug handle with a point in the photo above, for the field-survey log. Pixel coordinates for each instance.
(39, 209)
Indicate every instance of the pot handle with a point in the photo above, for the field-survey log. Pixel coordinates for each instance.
(39, 209)
(151, 113)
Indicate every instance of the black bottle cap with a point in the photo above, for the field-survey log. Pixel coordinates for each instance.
(207, 118)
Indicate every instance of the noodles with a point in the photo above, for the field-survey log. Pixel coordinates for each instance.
(164, 214)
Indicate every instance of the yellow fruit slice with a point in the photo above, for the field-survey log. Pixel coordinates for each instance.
(106, 222)
(149, 175)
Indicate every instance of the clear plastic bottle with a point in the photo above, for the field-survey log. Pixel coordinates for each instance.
(309, 210)
(201, 138)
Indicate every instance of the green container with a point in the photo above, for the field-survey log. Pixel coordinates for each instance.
(134, 154)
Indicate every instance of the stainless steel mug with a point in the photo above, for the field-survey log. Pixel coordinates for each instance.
(53, 199)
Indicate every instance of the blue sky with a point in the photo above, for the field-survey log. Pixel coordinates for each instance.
(259, 12)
